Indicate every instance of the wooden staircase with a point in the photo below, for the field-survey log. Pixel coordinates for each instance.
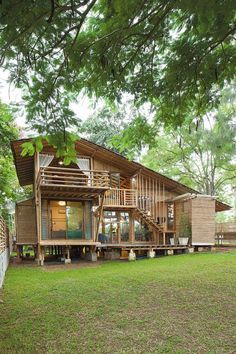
(148, 219)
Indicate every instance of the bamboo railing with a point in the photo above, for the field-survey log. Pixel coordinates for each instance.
(71, 177)
(121, 197)
(226, 227)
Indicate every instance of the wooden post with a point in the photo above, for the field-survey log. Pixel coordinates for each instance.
(155, 199)
(37, 194)
(164, 238)
(163, 210)
(18, 253)
(99, 217)
(159, 202)
(68, 252)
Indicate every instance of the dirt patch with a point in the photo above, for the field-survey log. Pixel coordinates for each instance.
(48, 267)
(54, 265)
(225, 248)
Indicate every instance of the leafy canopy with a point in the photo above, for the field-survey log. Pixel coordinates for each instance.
(9, 187)
(201, 153)
(106, 124)
(169, 53)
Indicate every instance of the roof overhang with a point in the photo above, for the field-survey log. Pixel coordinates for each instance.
(25, 166)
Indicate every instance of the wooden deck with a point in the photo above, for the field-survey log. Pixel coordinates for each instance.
(123, 246)
(116, 198)
(67, 242)
(142, 246)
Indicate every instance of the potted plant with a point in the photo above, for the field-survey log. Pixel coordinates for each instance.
(185, 230)
(172, 241)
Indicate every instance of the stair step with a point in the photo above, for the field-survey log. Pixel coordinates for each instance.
(143, 214)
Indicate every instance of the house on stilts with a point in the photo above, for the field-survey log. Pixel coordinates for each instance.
(105, 204)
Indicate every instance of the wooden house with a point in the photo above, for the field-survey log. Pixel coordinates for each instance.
(105, 202)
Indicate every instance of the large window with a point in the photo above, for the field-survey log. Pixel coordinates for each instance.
(72, 220)
(114, 227)
(109, 227)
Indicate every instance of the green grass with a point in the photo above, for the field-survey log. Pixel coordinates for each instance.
(180, 304)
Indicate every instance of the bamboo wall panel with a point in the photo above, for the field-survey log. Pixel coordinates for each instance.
(4, 236)
(152, 196)
(203, 220)
(182, 208)
(105, 166)
(26, 223)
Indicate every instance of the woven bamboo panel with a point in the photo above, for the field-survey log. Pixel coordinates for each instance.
(4, 236)
(26, 222)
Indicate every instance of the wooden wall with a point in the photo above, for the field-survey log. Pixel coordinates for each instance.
(203, 220)
(105, 166)
(26, 222)
(200, 212)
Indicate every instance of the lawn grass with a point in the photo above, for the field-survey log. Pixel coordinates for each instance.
(180, 304)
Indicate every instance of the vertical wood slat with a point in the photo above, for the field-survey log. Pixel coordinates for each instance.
(149, 195)
(142, 192)
(163, 206)
(146, 197)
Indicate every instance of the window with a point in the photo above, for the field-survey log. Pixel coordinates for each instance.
(124, 226)
(72, 220)
(142, 232)
(170, 216)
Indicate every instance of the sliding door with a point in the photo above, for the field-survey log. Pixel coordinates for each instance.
(71, 220)
(74, 216)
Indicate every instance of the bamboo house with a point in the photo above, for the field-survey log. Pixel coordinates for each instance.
(105, 204)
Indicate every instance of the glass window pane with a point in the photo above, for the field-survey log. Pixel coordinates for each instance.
(58, 219)
(124, 227)
(142, 232)
(88, 220)
(74, 213)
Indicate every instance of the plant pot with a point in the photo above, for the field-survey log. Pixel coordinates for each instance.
(172, 241)
(183, 241)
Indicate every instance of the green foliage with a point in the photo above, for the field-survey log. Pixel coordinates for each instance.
(137, 135)
(64, 142)
(9, 187)
(170, 53)
(102, 126)
(8, 129)
(200, 153)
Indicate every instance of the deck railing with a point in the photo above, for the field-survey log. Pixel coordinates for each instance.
(121, 197)
(71, 177)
